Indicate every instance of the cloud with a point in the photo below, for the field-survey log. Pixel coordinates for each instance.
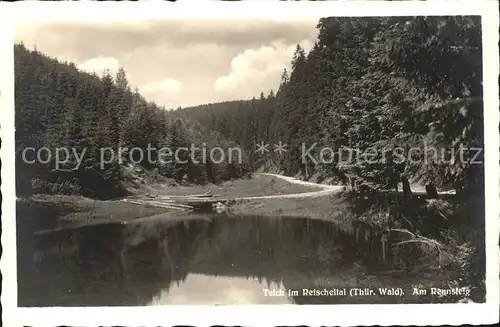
(90, 39)
(100, 64)
(166, 91)
(198, 54)
(256, 70)
(207, 290)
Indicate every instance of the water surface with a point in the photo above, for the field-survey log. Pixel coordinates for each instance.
(207, 259)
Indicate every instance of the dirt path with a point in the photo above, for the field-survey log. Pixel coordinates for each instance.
(326, 189)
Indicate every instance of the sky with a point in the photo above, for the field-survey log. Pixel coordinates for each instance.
(179, 62)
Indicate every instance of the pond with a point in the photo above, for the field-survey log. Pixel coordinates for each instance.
(214, 260)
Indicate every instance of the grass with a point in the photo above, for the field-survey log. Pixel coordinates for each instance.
(42, 212)
(258, 185)
(59, 211)
(331, 207)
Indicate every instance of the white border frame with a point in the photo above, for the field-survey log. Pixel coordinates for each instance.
(422, 314)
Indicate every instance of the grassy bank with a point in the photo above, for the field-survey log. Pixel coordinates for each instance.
(41, 212)
(331, 207)
(258, 185)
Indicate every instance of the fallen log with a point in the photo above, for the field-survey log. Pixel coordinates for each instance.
(159, 204)
(172, 204)
(186, 196)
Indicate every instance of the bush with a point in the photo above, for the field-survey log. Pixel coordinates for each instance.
(63, 187)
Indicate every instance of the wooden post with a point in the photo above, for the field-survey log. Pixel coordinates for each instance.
(383, 239)
(406, 187)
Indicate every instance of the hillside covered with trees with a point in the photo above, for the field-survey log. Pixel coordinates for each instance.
(404, 94)
(379, 104)
(60, 107)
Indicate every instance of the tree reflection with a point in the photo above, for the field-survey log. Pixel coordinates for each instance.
(131, 264)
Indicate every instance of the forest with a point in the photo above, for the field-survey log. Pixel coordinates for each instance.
(58, 106)
(376, 86)
(404, 94)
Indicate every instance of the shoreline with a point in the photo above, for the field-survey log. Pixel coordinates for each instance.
(71, 211)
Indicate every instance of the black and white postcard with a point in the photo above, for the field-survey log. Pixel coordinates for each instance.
(255, 163)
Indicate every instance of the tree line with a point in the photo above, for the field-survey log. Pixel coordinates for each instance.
(408, 90)
(370, 84)
(59, 106)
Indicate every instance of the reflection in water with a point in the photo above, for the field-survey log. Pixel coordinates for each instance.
(210, 290)
(197, 260)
